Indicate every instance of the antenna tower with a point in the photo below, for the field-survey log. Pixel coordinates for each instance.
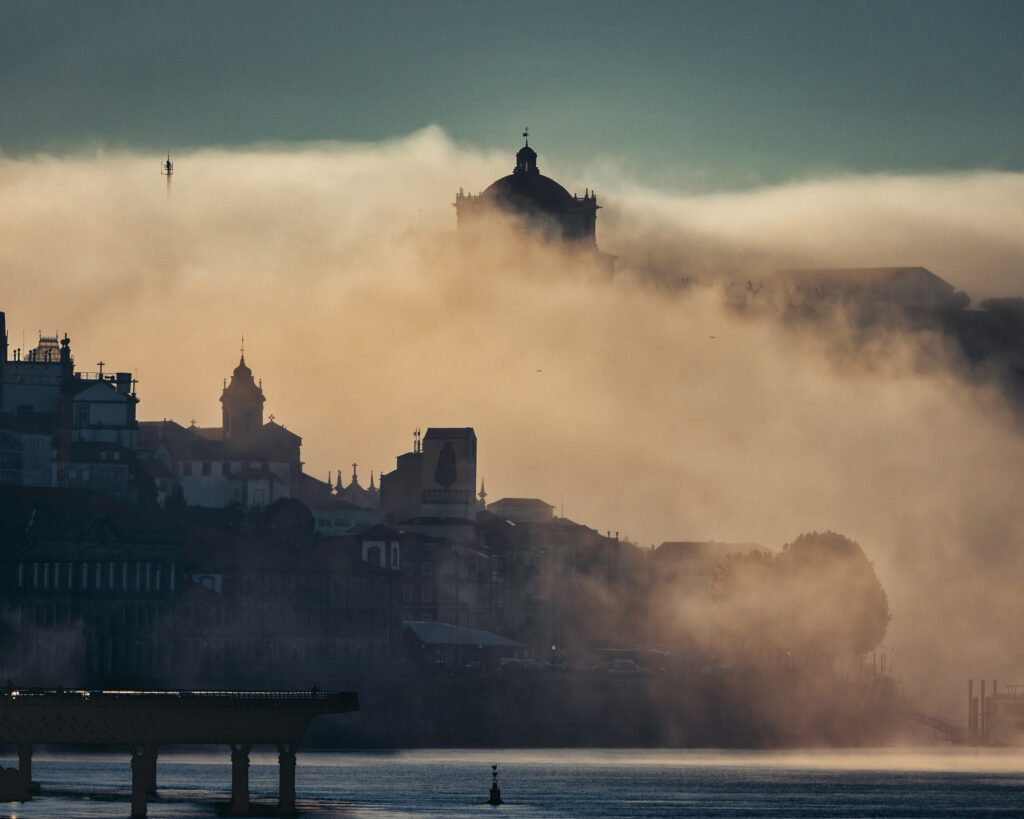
(167, 169)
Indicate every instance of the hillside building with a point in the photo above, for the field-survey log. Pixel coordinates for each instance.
(538, 206)
(61, 427)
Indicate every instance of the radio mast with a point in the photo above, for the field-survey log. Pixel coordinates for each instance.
(167, 169)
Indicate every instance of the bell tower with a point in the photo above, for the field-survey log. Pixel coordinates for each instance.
(242, 403)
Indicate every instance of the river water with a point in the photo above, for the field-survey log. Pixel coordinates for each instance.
(552, 783)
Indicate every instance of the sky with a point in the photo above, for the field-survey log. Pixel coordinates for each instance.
(688, 96)
(318, 149)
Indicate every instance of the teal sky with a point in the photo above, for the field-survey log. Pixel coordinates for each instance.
(683, 95)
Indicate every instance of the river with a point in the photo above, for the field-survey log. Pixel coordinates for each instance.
(552, 783)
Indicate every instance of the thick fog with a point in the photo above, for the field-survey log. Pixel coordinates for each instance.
(630, 403)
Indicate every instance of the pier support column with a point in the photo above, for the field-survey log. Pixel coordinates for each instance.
(239, 780)
(25, 766)
(149, 758)
(143, 773)
(286, 789)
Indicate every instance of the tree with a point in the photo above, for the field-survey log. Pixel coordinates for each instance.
(816, 600)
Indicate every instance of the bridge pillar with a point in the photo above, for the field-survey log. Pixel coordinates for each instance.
(143, 776)
(286, 790)
(239, 780)
(25, 766)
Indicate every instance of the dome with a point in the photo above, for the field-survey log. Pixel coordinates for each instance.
(526, 192)
(526, 189)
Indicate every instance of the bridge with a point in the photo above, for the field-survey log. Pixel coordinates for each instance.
(145, 720)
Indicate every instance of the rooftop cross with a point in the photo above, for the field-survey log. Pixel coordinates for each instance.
(526, 134)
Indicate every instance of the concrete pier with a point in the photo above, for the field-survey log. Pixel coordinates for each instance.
(145, 720)
(239, 780)
(286, 787)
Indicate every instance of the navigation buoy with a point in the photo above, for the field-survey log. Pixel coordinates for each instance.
(495, 797)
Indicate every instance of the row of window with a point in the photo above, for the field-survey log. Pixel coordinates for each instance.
(206, 467)
(426, 594)
(120, 576)
(114, 617)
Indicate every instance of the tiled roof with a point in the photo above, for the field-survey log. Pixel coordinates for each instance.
(444, 634)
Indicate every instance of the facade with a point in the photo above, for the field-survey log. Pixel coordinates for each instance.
(244, 461)
(60, 427)
(564, 586)
(436, 480)
(86, 581)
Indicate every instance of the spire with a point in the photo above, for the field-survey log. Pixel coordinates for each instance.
(355, 477)
(483, 495)
(338, 487)
(372, 486)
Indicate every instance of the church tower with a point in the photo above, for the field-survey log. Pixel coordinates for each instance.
(242, 403)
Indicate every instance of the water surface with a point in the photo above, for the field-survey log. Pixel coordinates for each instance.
(553, 783)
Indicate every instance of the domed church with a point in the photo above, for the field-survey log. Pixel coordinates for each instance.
(538, 203)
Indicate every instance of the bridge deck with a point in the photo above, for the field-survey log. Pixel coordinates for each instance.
(164, 717)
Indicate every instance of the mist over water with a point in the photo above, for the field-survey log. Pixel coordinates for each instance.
(634, 405)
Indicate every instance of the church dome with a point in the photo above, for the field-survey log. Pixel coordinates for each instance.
(526, 189)
(526, 193)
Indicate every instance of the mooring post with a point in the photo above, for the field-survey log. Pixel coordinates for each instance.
(25, 766)
(286, 790)
(239, 780)
(140, 782)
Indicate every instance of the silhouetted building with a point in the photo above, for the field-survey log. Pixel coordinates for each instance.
(243, 461)
(906, 288)
(67, 428)
(84, 582)
(564, 586)
(538, 205)
(436, 480)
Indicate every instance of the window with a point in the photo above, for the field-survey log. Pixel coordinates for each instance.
(427, 568)
(406, 594)
(206, 467)
(225, 468)
(426, 593)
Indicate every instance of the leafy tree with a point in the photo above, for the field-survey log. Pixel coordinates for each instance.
(816, 600)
